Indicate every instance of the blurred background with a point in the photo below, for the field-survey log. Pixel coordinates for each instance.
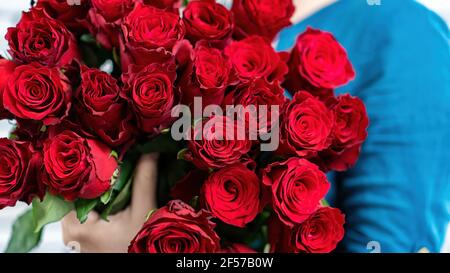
(10, 12)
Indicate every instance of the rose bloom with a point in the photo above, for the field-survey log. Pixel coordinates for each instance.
(261, 17)
(205, 74)
(219, 146)
(73, 16)
(176, 228)
(39, 38)
(169, 5)
(6, 70)
(207, 20)
(254, 57)
(38, 93)
(150, 92)
(320, 61)
(296, 187)
(258, 93)
(105, 18)
(238, 248)
(101, 108)
(76, 167)
(306, 126)
(232, 194)
(19, 163)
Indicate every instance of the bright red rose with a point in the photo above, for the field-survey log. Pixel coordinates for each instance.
(297, 186)
(40, 38)
(207, 20)
(71, 15)
(76, 167)
(6, 70)
(306, 125)
(150, 92)
(206, 74)
(318, 60)
(176, 228)
(232, 194)
(101, 108)
(169, 5)
(261, 17)
(320, 233)
(19, 163)
(38, 93)
(254, 57)
(238, 248)
(258, 93)
(105, 18)
(215, 145)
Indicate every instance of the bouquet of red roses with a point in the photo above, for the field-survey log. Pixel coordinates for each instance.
(94, 84)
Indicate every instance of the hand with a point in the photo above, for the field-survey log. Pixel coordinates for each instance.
(97, 235)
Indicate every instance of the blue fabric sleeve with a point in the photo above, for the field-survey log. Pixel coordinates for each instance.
(398, 194)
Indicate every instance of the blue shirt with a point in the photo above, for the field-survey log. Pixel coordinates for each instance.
(398, 194)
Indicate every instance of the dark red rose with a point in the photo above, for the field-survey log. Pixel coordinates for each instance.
(72, 14)
(105, 18)
(206, 74)
(232, 194)
(189, 186)
(238, 248)
(149, 35)
(76, 167)
(306, 125)
(207, 20)
(318, 60)
(101, 108)
(261, 17)
(19, 163)
(258, 93)
(297, 187)
(6, 71)
(215, 145)
(254, 57)
(38, 93)
(176, 228)
(39, 38)
(150, 91)
(320, 233)
(169, 5)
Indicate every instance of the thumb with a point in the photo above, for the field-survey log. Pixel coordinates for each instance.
(144, 186)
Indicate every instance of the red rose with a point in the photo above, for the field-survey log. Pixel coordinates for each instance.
(38, 93)
(39, 38)
(218, 146)
(306, 125)
(258, 93)
(320, 233)
(105, 18)
(149, 31)
(72, 16)
(205, 74)
(6, 70)
(169, 5)
(261, 17)
(207, 20)
(238, 248)
(76, 167)
(176, 228)
(297, 186)
(150, 91)
(232, 194)
(101, 108)
(318, 60)
(19, 164)
(254, 57)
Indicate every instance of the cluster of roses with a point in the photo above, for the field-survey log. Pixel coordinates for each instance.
(71, 116)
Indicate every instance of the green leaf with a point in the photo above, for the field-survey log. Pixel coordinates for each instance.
(88, 38)
(150, 214)
(106, 197)
(181, 153)
(114, 154)
(23, 238)
(116, 56)
(51, 209)
(324, 203)
(84, 207)
(119, 202)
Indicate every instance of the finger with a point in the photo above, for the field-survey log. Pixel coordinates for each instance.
(73, 230)
(144, 186)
